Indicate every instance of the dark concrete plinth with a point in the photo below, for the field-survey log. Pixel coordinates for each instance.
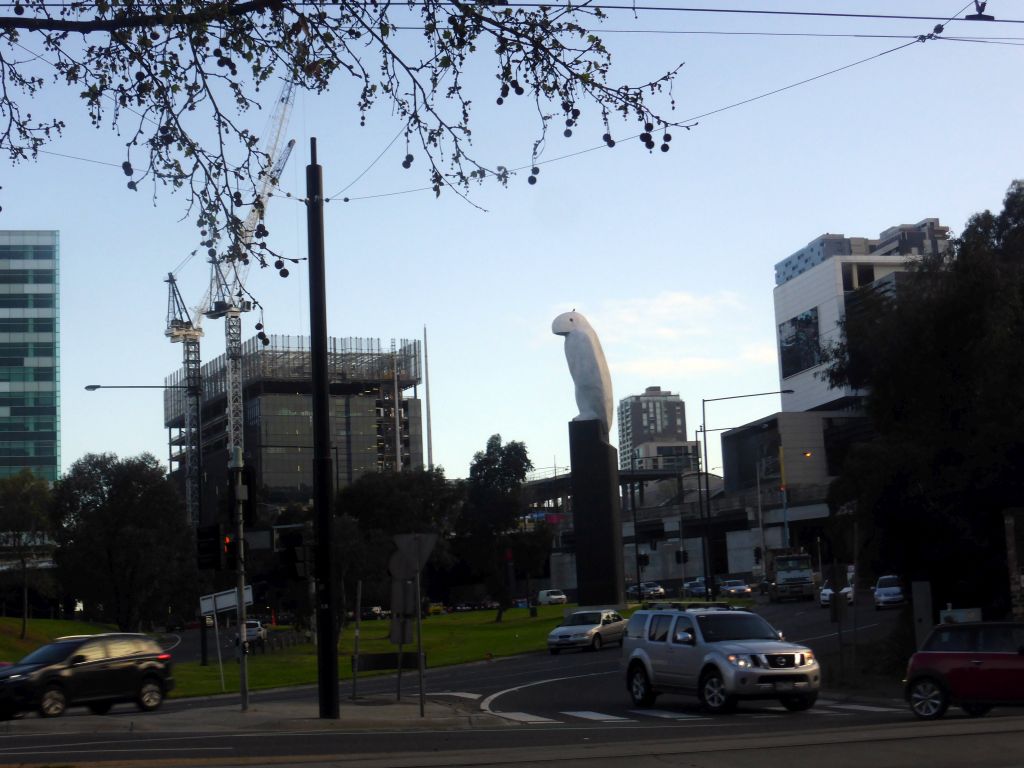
(596, 516)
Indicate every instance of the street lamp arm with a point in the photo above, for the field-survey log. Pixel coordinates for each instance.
(94, 387)
(754, 394)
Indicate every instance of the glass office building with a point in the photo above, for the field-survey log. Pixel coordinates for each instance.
(30, 352)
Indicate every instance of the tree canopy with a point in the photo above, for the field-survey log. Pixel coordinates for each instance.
(378, 506)
(25, 532)
(491, 524)
(125, 548)
(942, 358)
(175, 79)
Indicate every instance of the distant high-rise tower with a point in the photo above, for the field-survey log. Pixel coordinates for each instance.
(29, 353)
(652, 427)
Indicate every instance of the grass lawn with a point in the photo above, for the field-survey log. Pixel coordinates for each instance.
(453, 638)
(39, 632)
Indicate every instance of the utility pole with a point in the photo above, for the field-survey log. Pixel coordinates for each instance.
(327, 646)
(241, 494)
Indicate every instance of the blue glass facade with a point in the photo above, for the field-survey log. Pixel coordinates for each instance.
(30, 352)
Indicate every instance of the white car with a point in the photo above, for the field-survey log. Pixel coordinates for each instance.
(826, 593)
(889, 591)
(255, 631)
(551, 597)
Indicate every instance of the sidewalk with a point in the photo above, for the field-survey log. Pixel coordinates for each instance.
(378, 712)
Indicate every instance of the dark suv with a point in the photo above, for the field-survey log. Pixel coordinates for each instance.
(974, 665)
(96, 671)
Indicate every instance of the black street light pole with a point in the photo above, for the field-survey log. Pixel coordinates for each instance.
(709, 586)
(327, 643)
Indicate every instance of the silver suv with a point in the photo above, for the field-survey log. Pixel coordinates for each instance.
(719, 656)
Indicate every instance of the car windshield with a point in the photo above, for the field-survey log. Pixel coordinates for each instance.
(49, 654)
(581, 619)
(716, 627)
(732, 583)
(888, 581)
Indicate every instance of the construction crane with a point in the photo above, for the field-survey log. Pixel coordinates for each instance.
(180, 329)
(227, 296)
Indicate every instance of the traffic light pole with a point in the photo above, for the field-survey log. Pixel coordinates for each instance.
(241, 493)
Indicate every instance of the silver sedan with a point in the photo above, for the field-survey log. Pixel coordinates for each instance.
(587, 630)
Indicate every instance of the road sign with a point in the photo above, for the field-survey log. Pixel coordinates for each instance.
(225, 601)
(416, 548)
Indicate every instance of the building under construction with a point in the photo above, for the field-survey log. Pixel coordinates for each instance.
(376, 421)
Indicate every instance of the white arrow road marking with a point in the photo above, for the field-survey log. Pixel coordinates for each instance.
(460, 694)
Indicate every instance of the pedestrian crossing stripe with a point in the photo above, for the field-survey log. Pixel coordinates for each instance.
(587, 715)
(524, 717)
(665, 714)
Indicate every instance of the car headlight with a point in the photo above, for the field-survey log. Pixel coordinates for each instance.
(743, 662)
(807, 658)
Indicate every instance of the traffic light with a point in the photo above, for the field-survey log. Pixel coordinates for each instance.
(644, 560)
(682, 556)
(230, 549)
(209, 553)
(757, 554)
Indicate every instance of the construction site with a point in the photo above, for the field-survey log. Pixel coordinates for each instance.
(376, 417)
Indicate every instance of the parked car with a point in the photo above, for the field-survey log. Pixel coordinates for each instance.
(651, 591)
(889, 591)
(735, 588)
(551, 597)
(975, 666)
(255, 631)
(826, 593)
(96, 671)
(719, 656)
(588, 630)
(695, 588)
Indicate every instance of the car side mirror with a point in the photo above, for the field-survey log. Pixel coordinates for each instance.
(683, 638)
(779, 633)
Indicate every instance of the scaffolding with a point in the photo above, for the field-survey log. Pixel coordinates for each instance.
(360, 370)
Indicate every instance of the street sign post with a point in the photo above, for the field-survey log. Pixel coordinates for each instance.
(223, 601)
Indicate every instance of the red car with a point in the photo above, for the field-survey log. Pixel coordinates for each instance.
(975, 666)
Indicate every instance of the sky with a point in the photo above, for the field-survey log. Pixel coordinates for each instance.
(670, 256)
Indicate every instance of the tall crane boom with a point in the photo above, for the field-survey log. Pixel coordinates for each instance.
(227, 295)
(180, 329)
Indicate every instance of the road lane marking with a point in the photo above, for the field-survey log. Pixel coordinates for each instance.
(866, 708)
(485, 705)
(847, 631)
(460, 694)
(523, 717)
(588, 715)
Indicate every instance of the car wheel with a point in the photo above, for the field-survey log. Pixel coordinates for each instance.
(151, 695)
(976, 710)
(928, 699)
(100, 707)
(713, 696)
(53, 702)
(798, 703)
(595, 644)
(553, 651)
(640, 687)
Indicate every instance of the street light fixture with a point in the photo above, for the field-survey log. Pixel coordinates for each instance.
(709, 586)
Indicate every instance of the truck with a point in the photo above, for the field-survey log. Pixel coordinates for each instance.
(789, 574)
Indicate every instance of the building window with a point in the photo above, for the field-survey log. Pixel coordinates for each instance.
(799, 346)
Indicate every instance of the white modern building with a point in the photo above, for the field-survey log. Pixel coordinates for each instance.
(811, 291)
